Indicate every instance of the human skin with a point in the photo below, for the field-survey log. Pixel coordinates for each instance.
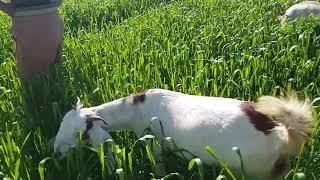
(38, 39)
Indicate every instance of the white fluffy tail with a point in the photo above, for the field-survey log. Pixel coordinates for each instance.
(295, 115)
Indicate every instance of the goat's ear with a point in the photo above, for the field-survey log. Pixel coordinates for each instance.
(91, 118)
(79, 104)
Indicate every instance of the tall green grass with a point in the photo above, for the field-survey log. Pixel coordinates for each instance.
(113, 48)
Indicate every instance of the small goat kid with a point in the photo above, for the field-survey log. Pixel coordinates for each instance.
(266, 132)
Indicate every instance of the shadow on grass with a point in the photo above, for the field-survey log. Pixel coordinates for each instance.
(43, 100)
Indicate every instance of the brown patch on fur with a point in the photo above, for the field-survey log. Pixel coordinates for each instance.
(89, 121)
(139, 97)
(260, 121)
(280, 166)
(85, 135)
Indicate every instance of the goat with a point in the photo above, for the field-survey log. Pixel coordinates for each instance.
(266, 132)
(303, 9)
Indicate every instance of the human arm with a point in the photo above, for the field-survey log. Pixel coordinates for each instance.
(8, 8)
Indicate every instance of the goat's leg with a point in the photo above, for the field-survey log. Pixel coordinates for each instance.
(98, 137)
(160, 167)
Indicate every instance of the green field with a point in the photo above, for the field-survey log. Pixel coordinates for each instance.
(113, 48)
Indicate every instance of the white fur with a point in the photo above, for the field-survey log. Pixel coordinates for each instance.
(70, 129)
(193, 122)
(303, 9)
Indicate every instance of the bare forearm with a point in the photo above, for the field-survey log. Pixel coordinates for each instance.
(8, 8)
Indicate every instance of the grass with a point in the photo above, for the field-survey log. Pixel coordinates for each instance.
(113, 48)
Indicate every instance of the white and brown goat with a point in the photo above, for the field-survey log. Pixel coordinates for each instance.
(266, 132)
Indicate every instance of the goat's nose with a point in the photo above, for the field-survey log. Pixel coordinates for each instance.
(56, 155)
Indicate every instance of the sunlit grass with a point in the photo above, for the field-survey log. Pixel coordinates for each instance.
(113, 48)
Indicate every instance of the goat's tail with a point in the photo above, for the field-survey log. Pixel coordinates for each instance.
(295, 115)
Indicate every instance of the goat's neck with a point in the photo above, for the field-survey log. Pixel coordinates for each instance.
(121, 115)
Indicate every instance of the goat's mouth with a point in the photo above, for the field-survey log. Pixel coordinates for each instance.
(57, 155)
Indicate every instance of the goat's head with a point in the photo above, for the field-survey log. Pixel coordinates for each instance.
(76, 121)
